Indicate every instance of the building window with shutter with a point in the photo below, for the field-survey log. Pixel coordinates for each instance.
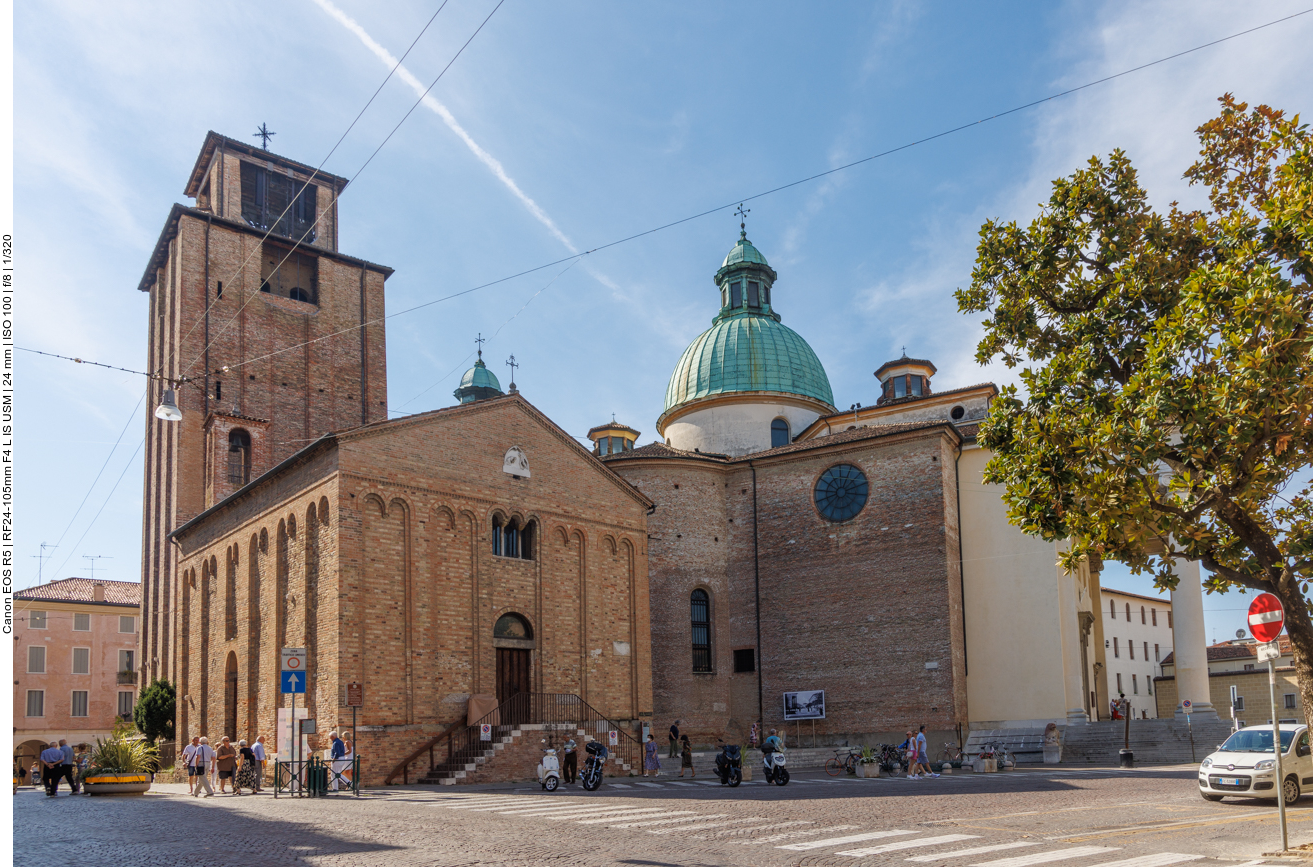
(1130, 648)
(125, 705)
(1156, 657)
(1119, 683)
(1116, 650)
(1142, 620)
(36, 620)
(1128, 612)
(1153, 613)
(1290, 700)
(127, 625)
(1135, 684)
(1146, 650)
(239, 457)
(1112, 609)
(36, 702)
(36, 660)
(700, 605)
(126, 659)
(82, 660)
(736, 294)
(79, 703)
(1169, 620)
(81, 622)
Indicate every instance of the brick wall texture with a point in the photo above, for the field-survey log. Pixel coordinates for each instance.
(373, 551)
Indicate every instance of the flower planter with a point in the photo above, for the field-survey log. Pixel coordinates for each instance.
(869, 771)
(985, 766)
(747, 771)
(116, 783)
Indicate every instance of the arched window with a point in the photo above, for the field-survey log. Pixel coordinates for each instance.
(1128, 612)
(1112, 608)
(512, 626)
(511, 539)
(779, 433)
(296, 293)
(526, 541)
(1142, 618)
(700, 604)
(239, 457)
(498, 525)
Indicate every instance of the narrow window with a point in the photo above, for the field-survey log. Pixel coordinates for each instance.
(125, 705)
(127, 624)
(218, 290)
(218, 390)
(36, 660)
(779, 433)
(1156, 657)
(526, 541)
(765, 293)
(126, 659)
(1148, 684)
(36, 620)
(1112, 609)
(82, 660)
(496, 536)
(754, 293)
(1290, 700)
(735, 294)
(511, 542)
(239, 457)
(700, 604)
(916, 386)
(1169, 620)
(900, 386)
(1135, 684)
(1130, 648)
(1128, 612)
(1116, 650)
(1142, 620)
(81, 622)
(36, 702)
(1146, 650)
(724, 296)
(745, 661)
(79, 703)
(1119, 683)
(1153, 615)
(1240, 702)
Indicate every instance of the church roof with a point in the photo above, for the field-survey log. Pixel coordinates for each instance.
(83, 590)
(899, 362)
(214, 139)
(663, 451)
(743, 251)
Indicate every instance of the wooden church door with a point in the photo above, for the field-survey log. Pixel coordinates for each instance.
(513, 677)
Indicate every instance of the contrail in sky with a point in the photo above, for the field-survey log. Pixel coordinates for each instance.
(441, 111)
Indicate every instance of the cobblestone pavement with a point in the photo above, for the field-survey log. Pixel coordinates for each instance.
(1150, 817)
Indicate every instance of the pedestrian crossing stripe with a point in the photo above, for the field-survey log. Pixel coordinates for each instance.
(839, 841)
(978, 850)
(787, 835)
(758, 830)
(1162, 859)
(658, 811)
(1048, 857)
(681, 819)
(719, 822)
(908, 844)
(613, 815)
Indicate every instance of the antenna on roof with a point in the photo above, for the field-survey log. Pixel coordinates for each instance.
(264, 135)
(93, 558)
(42, 558)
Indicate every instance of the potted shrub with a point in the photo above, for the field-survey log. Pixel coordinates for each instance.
(868, 765)
(122, 764)
(985, 763)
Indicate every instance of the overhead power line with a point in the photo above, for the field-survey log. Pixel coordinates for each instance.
(808, 179)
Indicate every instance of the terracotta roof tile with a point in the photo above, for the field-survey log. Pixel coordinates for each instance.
(1221, 652)
(80, 590)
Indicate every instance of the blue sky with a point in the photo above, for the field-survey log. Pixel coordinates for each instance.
(564, 127)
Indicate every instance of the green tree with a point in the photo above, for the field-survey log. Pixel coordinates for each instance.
(155, 711)
(1168, 380)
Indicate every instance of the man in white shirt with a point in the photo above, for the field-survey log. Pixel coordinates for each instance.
(923, 752)
(203, 760)
(260, 758)
(187, 753)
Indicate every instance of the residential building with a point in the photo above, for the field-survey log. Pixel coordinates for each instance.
(75, 672)
(1137, 638)
(1239, 683)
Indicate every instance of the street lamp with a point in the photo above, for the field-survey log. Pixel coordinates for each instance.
(168, 408)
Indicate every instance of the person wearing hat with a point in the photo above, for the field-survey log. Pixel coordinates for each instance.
(247, 768)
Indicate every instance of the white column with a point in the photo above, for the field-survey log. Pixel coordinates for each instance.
(1189, 642)
(1073, 682)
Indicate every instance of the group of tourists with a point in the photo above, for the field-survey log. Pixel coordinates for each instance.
(58, 761)
(242, 765)
(917, 752)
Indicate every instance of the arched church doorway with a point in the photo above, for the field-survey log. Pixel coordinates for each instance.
(230, 697)
(512, 637)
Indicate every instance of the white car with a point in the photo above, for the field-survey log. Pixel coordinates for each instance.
(1245, 765)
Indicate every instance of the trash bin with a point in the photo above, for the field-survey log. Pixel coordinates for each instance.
(317, 778)
(1126, 758)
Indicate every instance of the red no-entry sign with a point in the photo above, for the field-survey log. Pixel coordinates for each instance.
(1266, 618)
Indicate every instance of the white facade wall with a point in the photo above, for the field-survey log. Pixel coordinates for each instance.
(1126, 643)
(736, 429)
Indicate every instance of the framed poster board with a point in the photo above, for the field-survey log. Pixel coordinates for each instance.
(806, 704)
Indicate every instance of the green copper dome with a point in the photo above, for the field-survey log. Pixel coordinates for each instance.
(746, 348)
(478, 383)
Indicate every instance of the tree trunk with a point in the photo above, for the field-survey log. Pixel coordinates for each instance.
(1300, 629)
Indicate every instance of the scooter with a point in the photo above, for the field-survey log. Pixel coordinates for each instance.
(729, 765)
(775, 771)
(591, 775)
(549, 771)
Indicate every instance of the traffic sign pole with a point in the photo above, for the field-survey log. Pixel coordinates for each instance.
(1266, 619)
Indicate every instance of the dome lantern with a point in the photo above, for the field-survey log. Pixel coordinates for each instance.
(478, 383)
(613, 438)
(904, 377)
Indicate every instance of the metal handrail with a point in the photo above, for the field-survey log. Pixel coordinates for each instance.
(403, 767)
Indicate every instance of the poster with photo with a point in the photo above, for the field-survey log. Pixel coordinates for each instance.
(808, 704)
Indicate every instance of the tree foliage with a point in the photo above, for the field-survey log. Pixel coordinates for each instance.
(1167, 366)
(155, 711)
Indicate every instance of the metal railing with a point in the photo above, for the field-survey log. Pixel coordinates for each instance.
(127, 677)
(316, 778)
(562, 714)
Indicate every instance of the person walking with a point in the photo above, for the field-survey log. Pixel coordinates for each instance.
(203, 760)
(923, 752)
(335, 753)
(752, 737)
(570, 767)
(225, 759)
(68, 766)
(36, 773)
(52, 760)
(349, 760)
(686, 757)
(246, 769)
(651, 761)
(674, 739)
(908, 747)
(188, 752)
(260, 758)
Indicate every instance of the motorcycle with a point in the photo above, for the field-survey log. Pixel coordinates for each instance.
(591, 775)
(549, 770)
(775, 771)
(729, 765)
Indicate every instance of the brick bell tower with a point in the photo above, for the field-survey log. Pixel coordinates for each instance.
(279, 334)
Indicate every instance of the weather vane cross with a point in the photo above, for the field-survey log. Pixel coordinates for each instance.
(264, 135)
(743, 218)
(480, 341)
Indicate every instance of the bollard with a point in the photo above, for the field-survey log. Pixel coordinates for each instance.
(1125, 758)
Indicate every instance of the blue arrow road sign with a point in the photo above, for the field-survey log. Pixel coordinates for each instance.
(293, 681)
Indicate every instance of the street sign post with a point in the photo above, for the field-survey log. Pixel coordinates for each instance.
(613, 738)
(1187, 708)
(293, 677)
(485, 732)
(1266, 619)
(355, 698)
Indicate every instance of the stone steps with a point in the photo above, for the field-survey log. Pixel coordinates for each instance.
(449, 774)
(1152, 741)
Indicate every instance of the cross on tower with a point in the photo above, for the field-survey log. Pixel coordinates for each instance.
(264, 135)
(743, 219)
(512, 364)
(480, 341)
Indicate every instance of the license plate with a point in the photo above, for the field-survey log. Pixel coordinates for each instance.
(1230, 781)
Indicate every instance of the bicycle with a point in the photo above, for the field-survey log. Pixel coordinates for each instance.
(891, 758)
(841, 763)
(951, 753)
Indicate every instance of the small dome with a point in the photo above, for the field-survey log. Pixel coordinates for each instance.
(744, 252)
(478, 383)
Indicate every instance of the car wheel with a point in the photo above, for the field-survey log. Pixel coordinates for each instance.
(1208, 797)
(1290, 790)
